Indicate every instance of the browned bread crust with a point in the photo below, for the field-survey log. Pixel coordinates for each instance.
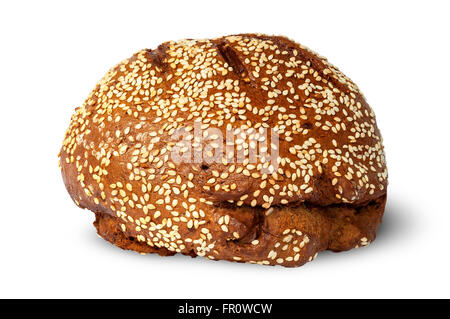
(328, 191)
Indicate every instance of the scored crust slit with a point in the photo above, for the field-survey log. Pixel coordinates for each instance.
(325, 189)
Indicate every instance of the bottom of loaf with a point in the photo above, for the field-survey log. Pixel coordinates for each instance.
(290, 236)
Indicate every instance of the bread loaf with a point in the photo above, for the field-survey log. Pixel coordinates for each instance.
(247, 148)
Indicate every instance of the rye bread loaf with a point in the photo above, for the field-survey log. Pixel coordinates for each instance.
(326, 188)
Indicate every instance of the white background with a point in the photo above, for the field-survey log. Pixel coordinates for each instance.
(53, 53)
